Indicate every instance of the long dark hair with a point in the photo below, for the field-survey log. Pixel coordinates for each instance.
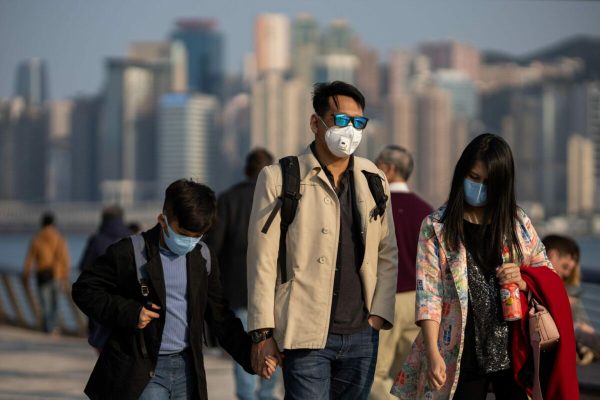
(501, 208)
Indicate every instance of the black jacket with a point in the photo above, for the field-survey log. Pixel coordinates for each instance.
(110, 293)
(109, 232)
(229, 239)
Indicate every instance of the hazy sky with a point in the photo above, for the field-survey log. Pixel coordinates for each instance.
(74, 36)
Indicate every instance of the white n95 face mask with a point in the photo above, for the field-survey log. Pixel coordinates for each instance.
(342, 141)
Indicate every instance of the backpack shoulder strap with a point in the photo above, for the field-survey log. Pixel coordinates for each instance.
(376, 187)
(141, 258)
(205, 251)
(290, 196)
(287, 202)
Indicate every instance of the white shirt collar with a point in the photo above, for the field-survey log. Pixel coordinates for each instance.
(400, 187)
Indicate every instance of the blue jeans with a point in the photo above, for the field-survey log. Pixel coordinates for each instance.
(344, 369)
(48, 292)
(174, 378)
(245, 384)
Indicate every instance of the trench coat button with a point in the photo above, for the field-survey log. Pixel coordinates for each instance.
(327, 200)
(321, 260)
(151, 373)
(325, 231)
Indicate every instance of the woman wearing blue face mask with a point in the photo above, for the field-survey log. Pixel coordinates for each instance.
(468, 248)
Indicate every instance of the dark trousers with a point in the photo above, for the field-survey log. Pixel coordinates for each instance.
(474, 386)
(344, 369)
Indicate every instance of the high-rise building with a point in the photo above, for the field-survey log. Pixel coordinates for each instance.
(400, 121)
(368, 73)
(580, 175)
(187, 140)
(32, 82)
(279, 114)
(127, 145)
(272, 43)
(11, 111)
(436, 147)
(235, 143)
(31, 143)
(150, 52)
(85, 120)
(305, 47)
(336, 67)
(337, 39)
(407, 72)
(58, 170)
(462, 90)
(204, 53)
(453, 55)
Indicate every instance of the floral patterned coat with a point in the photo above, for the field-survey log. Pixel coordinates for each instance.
(442, 296)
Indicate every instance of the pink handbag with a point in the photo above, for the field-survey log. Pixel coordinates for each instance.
(543, 335)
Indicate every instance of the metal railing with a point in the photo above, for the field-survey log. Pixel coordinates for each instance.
(20, 306)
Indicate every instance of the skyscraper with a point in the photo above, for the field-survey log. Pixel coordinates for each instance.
(272, 43)
(436, 147)
(305, 47)
(453, 55)
(337, 39)
(580, 175)
(58, 170)
(127, 145)
(340, 67)
(368, 73)
(85, 121)
(187, 140)
(32, 82)
(204, 52)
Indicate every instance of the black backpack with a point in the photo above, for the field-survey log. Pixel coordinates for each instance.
(290, 195)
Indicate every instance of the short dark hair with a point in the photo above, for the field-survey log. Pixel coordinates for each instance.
(324, 90)
(47, 219)
(256, 160)
(563, 244)
(113, 212)
(193, 204)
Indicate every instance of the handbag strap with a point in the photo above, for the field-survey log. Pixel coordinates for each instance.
(535, 344)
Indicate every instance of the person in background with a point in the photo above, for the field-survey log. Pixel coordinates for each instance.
(48, 255)
(564, 255)
(229, 240)
(408, 210)
(111, 229)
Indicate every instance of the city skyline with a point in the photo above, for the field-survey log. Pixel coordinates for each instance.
(74, 38)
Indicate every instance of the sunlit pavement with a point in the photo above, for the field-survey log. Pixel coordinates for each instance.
(38, 366)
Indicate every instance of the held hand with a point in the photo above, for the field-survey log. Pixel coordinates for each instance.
(436, 373)
(262, 350)
(269, 367)
(146, 316)
(376, 322)
(511, 273)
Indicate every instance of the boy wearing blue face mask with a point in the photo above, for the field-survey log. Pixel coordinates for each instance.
(155, 347)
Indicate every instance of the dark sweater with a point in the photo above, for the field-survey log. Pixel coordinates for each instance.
(409, 210)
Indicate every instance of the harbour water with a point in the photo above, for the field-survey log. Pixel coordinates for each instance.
(13, 248)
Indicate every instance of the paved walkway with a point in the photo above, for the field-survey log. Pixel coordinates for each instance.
(36, 366)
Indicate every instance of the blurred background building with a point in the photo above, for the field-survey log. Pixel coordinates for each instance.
(168, 109)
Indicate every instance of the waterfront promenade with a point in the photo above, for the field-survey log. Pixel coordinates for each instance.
(34, 365)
